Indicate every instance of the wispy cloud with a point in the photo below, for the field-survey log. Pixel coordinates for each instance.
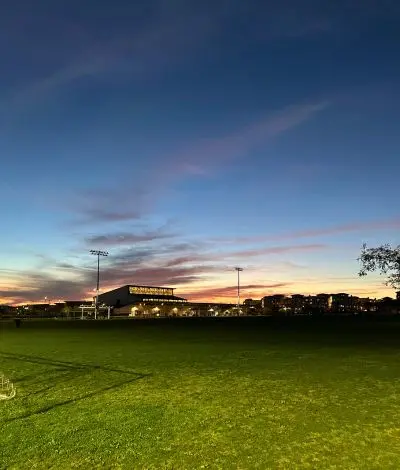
(345, 228)
(38, 90)
(207, 154)
(149, 42)
(198, 274)
(106, 215)
(75, 282)
(189, 254)
(179, 264)
(362, 227)
(198, 159)
(292, 20)
(38, 286)
(275, 250)
(127, 238)
(169, 276)
(137, 51)
(186, 260)
(174, 264)
(230, 292)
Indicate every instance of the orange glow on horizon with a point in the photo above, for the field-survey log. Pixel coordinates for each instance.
(226, 292)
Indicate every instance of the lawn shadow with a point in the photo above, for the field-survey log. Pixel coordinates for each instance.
(74, 400)
(62, 364)
(27, 378)
(55, 379)
(69, 371)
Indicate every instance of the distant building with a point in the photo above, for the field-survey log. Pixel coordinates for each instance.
(366, 305)
(252, 303)
(388, 306)
(341, 302)
(252, 307)
(36, 307)
(204, 309)
(297, 303)
(323, 301)
(75, 303)
(345, 303)
(149, 302)
(276, 301)
(132, 295)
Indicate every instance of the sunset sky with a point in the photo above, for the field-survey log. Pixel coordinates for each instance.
(187, 138)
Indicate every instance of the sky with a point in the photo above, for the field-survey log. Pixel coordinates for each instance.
(187, 138)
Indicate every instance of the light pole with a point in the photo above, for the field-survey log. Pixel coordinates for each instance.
(238, 288)
(98, 253)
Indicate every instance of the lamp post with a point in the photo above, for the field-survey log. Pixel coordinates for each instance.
(98, 253)
(238, 288)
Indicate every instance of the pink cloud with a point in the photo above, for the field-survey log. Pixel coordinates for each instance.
(208, 153)
(127, 238)
(176, 264)
(352, 227)
(310, 233)
(198, 159)
(229, 293)
(202, 156)
(275, 250)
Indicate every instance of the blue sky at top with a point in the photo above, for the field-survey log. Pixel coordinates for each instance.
(179, 135)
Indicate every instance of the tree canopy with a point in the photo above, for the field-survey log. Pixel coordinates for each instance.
(385, 260)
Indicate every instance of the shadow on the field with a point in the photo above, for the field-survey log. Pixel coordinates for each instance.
(34, 376)
(55, 379)
(74, 400)
(62, 364)
(65, 370)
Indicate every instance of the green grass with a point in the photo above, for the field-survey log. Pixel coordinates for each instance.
(192, 394)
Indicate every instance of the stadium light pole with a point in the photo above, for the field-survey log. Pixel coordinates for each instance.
(238, 288)
(98, 253)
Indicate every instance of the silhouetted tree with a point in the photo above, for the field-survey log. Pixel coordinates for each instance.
(385, 260)
(66, 310)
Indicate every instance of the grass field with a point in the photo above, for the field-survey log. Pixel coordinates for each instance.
(192, 394)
